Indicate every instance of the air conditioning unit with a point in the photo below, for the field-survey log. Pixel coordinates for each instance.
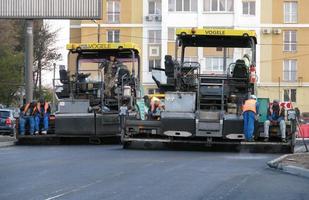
(266, 31)
(158, 18)
(154, 51)
(277, 31)
(149, 18)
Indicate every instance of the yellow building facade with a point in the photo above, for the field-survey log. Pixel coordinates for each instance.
(121, 22)
(284, 52)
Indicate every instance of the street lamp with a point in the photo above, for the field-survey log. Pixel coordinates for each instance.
(98, 29)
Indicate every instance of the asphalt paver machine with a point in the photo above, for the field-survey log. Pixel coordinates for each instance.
(203, 107)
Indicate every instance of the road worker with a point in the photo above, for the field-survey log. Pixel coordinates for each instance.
(250, 110)
(27, 116)
(154, 106)
(110, 71)
(43, 112)
(275, 117)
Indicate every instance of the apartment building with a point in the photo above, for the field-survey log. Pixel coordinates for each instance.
(281, 27)
(199, 14)
(122, 22)
(284, 46)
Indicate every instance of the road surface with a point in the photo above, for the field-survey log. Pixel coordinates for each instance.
(109, 172)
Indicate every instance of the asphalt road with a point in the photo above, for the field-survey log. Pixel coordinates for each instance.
(109, 172)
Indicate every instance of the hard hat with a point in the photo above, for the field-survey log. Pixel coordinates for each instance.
(253, 97)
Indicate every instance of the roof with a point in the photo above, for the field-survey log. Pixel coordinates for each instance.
(216, 32)
(229, 38)
(75, 47)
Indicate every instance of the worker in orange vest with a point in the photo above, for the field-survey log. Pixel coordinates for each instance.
(250, 110)
(43, 114)
(27, 115)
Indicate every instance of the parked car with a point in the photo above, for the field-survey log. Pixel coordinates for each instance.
(304, 118)
(7, 122)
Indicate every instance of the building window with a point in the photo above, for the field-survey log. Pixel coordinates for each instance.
(290, 12)
(113, 11)
(154, 63)
(153, 91)
(171, 34)
(248, 7)
(182, 5)
(290, 70)
(154, 36)
(289, 41)
(154, 7)
(216, 63)
(218, 5)
(113, 36)
(289, 95)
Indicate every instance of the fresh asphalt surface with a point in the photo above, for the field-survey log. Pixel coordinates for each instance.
(109, 172)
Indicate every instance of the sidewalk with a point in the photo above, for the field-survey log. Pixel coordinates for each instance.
(296, 164)
(6, 141)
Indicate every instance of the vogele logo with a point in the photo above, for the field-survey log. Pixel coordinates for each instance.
(215, 32)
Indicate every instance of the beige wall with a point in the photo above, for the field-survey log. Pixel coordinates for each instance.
(126, 14)
(273, 93)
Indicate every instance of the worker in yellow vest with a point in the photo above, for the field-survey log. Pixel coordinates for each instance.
(42, 115)
(250, 110)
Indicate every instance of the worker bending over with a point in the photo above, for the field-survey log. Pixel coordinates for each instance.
(250, 110)
(42, 115)
(275, 117)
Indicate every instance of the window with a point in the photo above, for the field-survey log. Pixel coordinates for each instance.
(290, 12)
(289, 40)
(113, 36)
(154, 37)
(153, 91)
(182, 5)
(289, 95)
(113, 11)
(289, 70)
(154, 7)
(218, 5)
(216, 63)
(171, 34)
(154, 63)
(248, 7)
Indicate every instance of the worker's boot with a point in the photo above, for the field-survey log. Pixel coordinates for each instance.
(283, 140)
(266, 139)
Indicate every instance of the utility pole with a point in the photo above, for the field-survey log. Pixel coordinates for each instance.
(29, 61)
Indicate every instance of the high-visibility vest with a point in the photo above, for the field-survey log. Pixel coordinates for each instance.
(27, 106)
(250, 105)
(153, 102)
(45, 107)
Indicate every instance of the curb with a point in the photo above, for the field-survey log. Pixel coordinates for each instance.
(298, 171)
(6, 144)
(290, 169)
(276, 162)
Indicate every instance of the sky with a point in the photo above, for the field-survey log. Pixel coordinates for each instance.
(62, 39)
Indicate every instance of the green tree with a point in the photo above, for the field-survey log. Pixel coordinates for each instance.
(11, 62)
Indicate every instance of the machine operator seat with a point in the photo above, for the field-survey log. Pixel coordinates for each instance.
(64, 78)
(240, 69)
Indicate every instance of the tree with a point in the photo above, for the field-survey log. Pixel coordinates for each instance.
(45, 54)
(11, 62)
